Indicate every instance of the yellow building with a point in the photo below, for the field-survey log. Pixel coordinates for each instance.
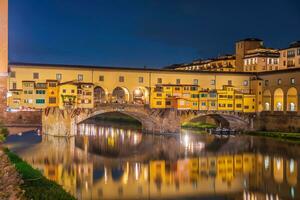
(67, 95)
(14, 98)
(40, 95)
(28, 94)
(52, 93)
(226, 98)
(85, 95)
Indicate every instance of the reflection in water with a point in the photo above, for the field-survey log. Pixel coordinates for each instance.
(112, 163)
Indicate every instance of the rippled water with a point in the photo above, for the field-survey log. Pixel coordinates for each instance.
(120, 162)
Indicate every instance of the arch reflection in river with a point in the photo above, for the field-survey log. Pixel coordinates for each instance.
(89, 171)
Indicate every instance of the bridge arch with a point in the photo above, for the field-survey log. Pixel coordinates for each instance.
(292, 99)
(222, 120)
(267, 97)
(278, 99)
(120, 95)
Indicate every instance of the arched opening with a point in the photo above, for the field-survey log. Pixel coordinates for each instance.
(120, 95)
(278, 100)
(267, 106)
(140, 95)
(292, 99)
(267, 100)
(99, 96)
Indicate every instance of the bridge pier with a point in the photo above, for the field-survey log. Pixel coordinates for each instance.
(58, 122)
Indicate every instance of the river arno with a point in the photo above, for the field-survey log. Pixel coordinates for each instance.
(108, 161)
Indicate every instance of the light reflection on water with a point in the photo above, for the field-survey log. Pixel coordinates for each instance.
(107, 162)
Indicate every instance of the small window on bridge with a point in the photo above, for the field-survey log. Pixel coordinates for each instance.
(141, 79)
(35, 75)
(12, 74)
(58, 77)
(80, 77)
(101, 78)
(121, 78)
(159, 80)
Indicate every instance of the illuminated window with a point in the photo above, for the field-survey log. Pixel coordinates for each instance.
(213, 82)
(279, 81)
(245, 83)
(195, 81)
(58, 77)
(293, 81)
(80, 77)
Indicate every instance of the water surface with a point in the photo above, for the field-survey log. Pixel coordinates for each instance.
(109, 161)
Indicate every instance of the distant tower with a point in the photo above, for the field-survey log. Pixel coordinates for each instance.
(241, 47)
(3, 38)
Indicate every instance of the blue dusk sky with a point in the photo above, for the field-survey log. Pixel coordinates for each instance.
(138, 33)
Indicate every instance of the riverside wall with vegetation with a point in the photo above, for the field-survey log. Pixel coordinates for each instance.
(18, 180)
(34, 184)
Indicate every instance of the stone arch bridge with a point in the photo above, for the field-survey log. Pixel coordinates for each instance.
(64, 122)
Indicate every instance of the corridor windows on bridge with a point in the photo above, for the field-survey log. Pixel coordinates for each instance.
(14, 85)
(195, 81)
(245, 83)
(35, 75)
(80, 77)
(121, 79)
(178, 81)
(229, 82)
(293, 81)
(213, 82)
(58, 77)
(159, 80)
(12, 74)
(279, 82)
(141, 79)
(266, 82)
(101, 78)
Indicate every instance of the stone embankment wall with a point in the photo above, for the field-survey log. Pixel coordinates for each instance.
(278, 121)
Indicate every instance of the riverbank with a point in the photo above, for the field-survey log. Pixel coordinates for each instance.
(290, 137)
(33, 183)
(10, 180)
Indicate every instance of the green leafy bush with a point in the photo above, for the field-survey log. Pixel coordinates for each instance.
(36, 186)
